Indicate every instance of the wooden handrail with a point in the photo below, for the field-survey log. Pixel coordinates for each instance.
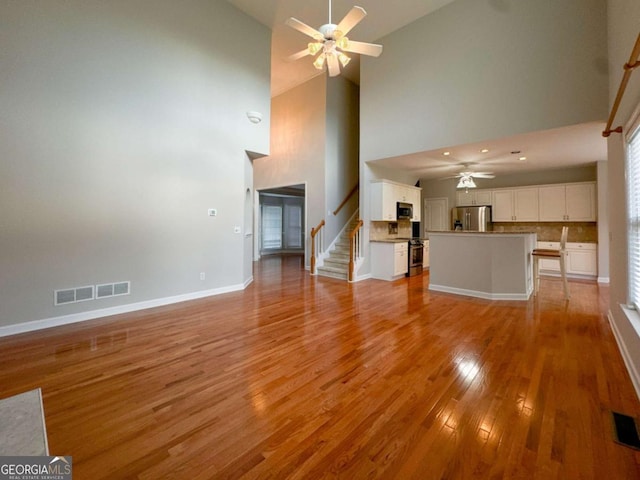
(346, 199)
(628, 69)
(354, 248)
(314, 232)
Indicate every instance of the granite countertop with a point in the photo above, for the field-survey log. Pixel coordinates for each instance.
(471, 232)
(399, 240)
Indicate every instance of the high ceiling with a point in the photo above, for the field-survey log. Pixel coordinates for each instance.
(383, 17)
(564, 147)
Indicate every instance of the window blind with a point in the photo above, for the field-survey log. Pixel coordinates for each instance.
(633, 205)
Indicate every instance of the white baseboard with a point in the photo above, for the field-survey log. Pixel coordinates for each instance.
(631, 368)
(105, 312)
(477, 294)
(604, 280)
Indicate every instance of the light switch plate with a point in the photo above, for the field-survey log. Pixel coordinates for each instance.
(236, 229)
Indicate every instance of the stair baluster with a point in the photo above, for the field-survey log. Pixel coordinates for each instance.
(314, 233)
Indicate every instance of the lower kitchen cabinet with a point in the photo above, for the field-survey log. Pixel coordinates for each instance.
(582, 259)
(389, 260)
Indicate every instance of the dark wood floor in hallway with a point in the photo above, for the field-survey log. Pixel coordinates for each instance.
(303, 377)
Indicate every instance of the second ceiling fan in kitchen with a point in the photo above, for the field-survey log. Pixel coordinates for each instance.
(330, 42)
(466, 177)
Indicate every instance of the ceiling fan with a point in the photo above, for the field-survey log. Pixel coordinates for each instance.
(330, 41)
(466, 177)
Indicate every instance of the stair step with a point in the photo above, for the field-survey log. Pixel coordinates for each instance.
(332, 272)
(336, 263)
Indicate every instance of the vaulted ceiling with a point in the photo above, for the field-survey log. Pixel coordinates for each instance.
(570, 146)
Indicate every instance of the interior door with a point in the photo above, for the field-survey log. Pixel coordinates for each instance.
(436, 214)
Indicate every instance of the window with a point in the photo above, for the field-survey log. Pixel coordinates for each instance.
(633, 207)
(271, 226)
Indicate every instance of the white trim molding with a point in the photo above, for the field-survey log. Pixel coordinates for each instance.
(634, 320)
(478, 294)
(106, 312)
(603, 280)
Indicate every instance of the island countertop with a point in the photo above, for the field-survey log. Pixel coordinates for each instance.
(473, 232)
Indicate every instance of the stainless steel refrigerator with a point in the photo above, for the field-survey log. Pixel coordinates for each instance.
(476, 219)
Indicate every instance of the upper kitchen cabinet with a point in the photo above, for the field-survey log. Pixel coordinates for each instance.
(515, 205)
(383, 201)
(568, 203)
(465, 198)
(386, 194)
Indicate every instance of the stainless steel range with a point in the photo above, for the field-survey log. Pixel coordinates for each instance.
(416, 252)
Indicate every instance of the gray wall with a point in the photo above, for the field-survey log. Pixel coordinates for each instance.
(314, 140)
(480, 69)
(298, 147)
(122, 122)
(623, 18)
(343, 143)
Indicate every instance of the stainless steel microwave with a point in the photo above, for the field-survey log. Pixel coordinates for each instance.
(404, 211)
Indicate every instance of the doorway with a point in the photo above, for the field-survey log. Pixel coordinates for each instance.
(282, 220)
(436, 214)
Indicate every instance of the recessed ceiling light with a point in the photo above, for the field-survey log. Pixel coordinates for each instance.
(446, 153)
(522, 158)
(484, 150)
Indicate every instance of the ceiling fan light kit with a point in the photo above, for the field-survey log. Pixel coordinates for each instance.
(331, 42)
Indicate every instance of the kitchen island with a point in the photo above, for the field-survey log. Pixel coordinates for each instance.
(491, 265)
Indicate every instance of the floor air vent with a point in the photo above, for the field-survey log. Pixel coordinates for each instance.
(626, 431)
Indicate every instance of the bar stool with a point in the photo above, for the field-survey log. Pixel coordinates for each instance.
(560, 255)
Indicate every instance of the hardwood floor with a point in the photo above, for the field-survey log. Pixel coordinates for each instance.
(301, 377)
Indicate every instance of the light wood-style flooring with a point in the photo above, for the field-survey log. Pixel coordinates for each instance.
(302, 377)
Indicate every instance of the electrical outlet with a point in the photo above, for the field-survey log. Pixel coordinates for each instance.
(212, 212)
(202, 275)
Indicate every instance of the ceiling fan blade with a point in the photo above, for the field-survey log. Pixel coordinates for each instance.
(482, 175)
(351, 19)
(298, 55)
(334, 66)
(363, 48)
(304, 28)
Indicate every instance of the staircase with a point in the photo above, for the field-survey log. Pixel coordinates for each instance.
(336, 265)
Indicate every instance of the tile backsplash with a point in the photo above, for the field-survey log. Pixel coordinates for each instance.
(386, 230)
(579, 232)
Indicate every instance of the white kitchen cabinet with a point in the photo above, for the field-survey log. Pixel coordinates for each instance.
(473, 197)
(502, 208)
(386, 194)
(568, 202)
(581, 202)
(515, 205)
(389, 260)
(383, 201)
(400, 260)
(582, 259)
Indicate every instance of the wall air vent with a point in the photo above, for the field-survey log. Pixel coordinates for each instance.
(73, 295)
(113, 289)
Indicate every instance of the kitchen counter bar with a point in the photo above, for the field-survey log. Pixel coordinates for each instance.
(491, 265)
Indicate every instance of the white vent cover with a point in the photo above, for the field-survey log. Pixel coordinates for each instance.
(113, 289)
(90, 292)
(73, 295)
